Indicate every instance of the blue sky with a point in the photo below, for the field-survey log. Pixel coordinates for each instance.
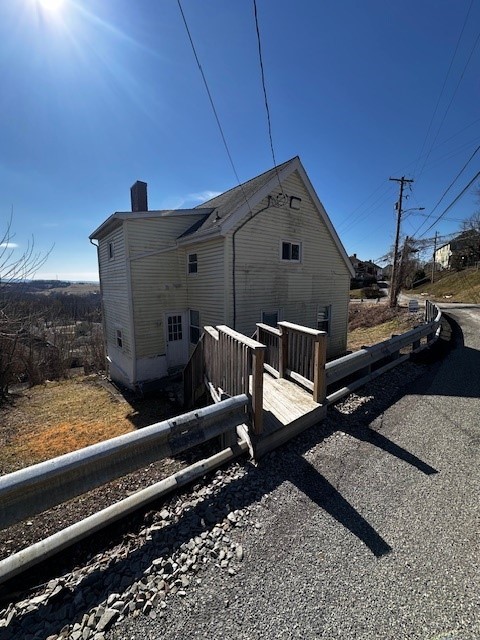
(100, 93)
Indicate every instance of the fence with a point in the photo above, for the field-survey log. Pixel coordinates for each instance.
(297, 353)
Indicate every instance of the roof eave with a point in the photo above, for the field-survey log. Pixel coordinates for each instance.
(199, 236)
(112, 222)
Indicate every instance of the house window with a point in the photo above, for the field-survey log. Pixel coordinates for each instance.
(270, 318)
(194, 326)
(174, 326)
(291, 251)
(192, 263)
(324, 316)
(119, 337)
(111, 252)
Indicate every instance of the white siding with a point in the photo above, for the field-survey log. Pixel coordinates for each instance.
(158, 280)
(113, 276)
(205, 289)
(265, 282)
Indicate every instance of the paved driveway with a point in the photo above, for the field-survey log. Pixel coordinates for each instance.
(370, 533)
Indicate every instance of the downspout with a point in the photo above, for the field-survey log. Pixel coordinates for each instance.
(104, 327)
(234, 294)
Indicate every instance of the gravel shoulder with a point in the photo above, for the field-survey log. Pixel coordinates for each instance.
(364, 527)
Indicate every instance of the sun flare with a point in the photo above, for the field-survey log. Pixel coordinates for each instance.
(51, 5)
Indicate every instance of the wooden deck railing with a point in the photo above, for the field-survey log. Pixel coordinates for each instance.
(234, 365)
(296, 352)
(194, 376)
(270, 337)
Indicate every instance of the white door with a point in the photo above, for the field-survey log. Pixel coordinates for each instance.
(176, 338)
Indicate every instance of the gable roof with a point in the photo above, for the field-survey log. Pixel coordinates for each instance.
(235, 204)
(221, 213)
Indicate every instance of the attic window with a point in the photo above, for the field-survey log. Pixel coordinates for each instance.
(111, 251)
(192, 263)
(291, 251)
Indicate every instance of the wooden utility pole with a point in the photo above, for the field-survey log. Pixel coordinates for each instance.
(393, 282)
(434, 252)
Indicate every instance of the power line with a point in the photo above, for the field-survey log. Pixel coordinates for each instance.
(449, 187)
(475, 177)
(267, 109)
(451, 101)
(442, 89)
(213, 104)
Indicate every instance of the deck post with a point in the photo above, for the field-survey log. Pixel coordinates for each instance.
(319, 359)
(258, 357)
(283, 352)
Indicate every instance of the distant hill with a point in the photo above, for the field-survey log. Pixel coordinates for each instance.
(54, 286)
(456, 286)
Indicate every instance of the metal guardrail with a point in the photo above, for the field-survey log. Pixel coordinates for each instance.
(385, 354)
(30, 491)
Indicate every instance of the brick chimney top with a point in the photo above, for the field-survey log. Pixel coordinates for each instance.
(138, 196)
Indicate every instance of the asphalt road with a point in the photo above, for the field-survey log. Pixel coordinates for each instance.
(369, 534)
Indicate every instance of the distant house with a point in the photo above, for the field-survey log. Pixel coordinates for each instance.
(365, 268)
(462, 251)
(261, 252)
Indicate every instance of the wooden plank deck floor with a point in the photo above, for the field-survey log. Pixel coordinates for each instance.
(288, 409)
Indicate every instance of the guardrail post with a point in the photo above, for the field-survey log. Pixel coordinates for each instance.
(319, 359)
(283, 352)
(258, 357)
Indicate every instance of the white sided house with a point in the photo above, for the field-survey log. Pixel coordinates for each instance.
(262, 252)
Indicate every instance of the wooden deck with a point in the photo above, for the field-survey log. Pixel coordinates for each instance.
(288, 409)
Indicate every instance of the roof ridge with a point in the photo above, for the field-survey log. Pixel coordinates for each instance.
(243, 184)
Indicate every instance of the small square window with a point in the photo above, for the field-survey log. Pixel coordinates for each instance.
(192, 263)
(119, 338)
(291, 251)
(111, 251)
(194, 326)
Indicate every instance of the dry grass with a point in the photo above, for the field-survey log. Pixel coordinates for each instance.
(59, 417)
(369, 324)
(461, 286)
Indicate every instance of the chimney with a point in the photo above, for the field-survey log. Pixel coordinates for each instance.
(354, 255)
(138, 195)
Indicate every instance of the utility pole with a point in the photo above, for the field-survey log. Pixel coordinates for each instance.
(434, 252)
(393, 283)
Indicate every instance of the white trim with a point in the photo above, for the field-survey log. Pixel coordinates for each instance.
(323, 214)
(259, 195)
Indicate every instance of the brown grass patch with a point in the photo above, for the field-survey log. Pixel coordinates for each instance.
(59, 417)
(374, 323)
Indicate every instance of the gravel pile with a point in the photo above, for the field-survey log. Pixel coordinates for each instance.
(165, 558)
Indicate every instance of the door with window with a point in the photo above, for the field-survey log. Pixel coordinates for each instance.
(176, 339)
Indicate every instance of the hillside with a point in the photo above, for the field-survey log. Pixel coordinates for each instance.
(459, 286)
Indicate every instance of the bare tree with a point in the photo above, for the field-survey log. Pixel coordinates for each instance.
(15, 320)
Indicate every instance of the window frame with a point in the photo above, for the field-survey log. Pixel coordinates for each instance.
(264, 312)
(192, 263)
(119, 338)
(111, 250)
(291, 243)
(195, 327)
(328, 319)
